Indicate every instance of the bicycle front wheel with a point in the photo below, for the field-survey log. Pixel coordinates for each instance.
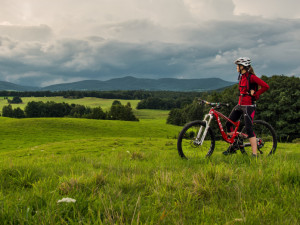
(188, 145)
(265, 136)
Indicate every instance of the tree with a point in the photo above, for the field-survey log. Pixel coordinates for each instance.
(175, 117)
(7, 111)
(35, 109)
(121, 112)
(78, 111)
(18, 113)
(54, 109)
(128, 114)
(164, 103)
(15, 100)
(280, 106)
(116, 102)
(97, 113)
(190, 112)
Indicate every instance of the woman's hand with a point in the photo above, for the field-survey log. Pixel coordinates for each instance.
(253, 93)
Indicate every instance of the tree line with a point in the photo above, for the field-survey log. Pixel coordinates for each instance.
(52, 109)
(164, 103)
(127, 95)
(279, 106)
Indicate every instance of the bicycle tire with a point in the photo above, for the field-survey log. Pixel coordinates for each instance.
(265, 135)
(186, 146)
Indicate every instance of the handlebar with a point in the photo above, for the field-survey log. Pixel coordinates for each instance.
(212, 103)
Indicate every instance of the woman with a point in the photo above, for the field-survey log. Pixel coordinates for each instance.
(249, 93)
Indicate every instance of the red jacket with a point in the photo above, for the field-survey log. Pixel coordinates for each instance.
(245, 98)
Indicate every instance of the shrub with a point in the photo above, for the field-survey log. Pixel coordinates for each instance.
(15, 100)
(18, 113)
(7, 111)
(121, 112)
(97, 113)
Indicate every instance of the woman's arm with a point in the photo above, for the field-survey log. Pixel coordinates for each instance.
(264, 86)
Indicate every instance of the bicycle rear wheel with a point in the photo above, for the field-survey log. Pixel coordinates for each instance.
(188, 145)
(265, 136)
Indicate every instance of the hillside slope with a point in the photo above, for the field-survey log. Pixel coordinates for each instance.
(132, 83)
(14, 87)
(128, 83)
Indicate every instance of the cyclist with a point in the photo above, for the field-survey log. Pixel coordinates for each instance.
(249, 93)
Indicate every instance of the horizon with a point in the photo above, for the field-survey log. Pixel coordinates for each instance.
(120, 78)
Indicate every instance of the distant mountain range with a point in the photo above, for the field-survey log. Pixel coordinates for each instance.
(7, 86)
(129, 83)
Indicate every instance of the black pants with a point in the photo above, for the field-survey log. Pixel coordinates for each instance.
(248, 112)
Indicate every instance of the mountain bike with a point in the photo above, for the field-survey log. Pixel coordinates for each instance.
(197, 138)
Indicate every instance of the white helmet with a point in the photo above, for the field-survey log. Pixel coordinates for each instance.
(245, 61)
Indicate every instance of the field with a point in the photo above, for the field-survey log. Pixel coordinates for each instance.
(130, 173)
(92, 102)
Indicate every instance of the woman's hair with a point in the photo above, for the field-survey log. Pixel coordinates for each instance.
(251, 70)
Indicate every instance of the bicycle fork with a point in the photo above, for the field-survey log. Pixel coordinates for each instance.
(207, 119)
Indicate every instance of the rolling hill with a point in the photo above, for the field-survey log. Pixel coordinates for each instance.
(7, 86)
(130, 83)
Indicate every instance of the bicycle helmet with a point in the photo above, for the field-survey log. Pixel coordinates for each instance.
(245, 61)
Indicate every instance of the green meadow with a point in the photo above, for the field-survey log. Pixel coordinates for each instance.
(121, 172)
(92, 102)
(88, 101)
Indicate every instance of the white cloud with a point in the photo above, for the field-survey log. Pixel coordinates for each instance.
(74, 18)
(26, 33)
(268, 8)
(210, 10)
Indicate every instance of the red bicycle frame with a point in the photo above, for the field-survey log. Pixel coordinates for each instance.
(230, 138)
(217, 115)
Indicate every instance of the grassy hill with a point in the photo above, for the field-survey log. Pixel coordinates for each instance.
(130, 173)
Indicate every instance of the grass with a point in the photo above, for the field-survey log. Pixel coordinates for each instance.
(130, 173)
(92, 102)
(22, 133)
(88, 101)
(143, 181)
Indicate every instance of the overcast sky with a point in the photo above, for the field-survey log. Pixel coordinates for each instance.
(46, 42)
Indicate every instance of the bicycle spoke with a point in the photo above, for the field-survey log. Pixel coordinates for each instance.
(265, 136)
(189, 146)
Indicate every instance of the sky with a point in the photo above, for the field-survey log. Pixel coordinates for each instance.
(46, 42)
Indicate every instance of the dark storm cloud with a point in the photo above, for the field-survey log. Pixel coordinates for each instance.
(195, 51)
